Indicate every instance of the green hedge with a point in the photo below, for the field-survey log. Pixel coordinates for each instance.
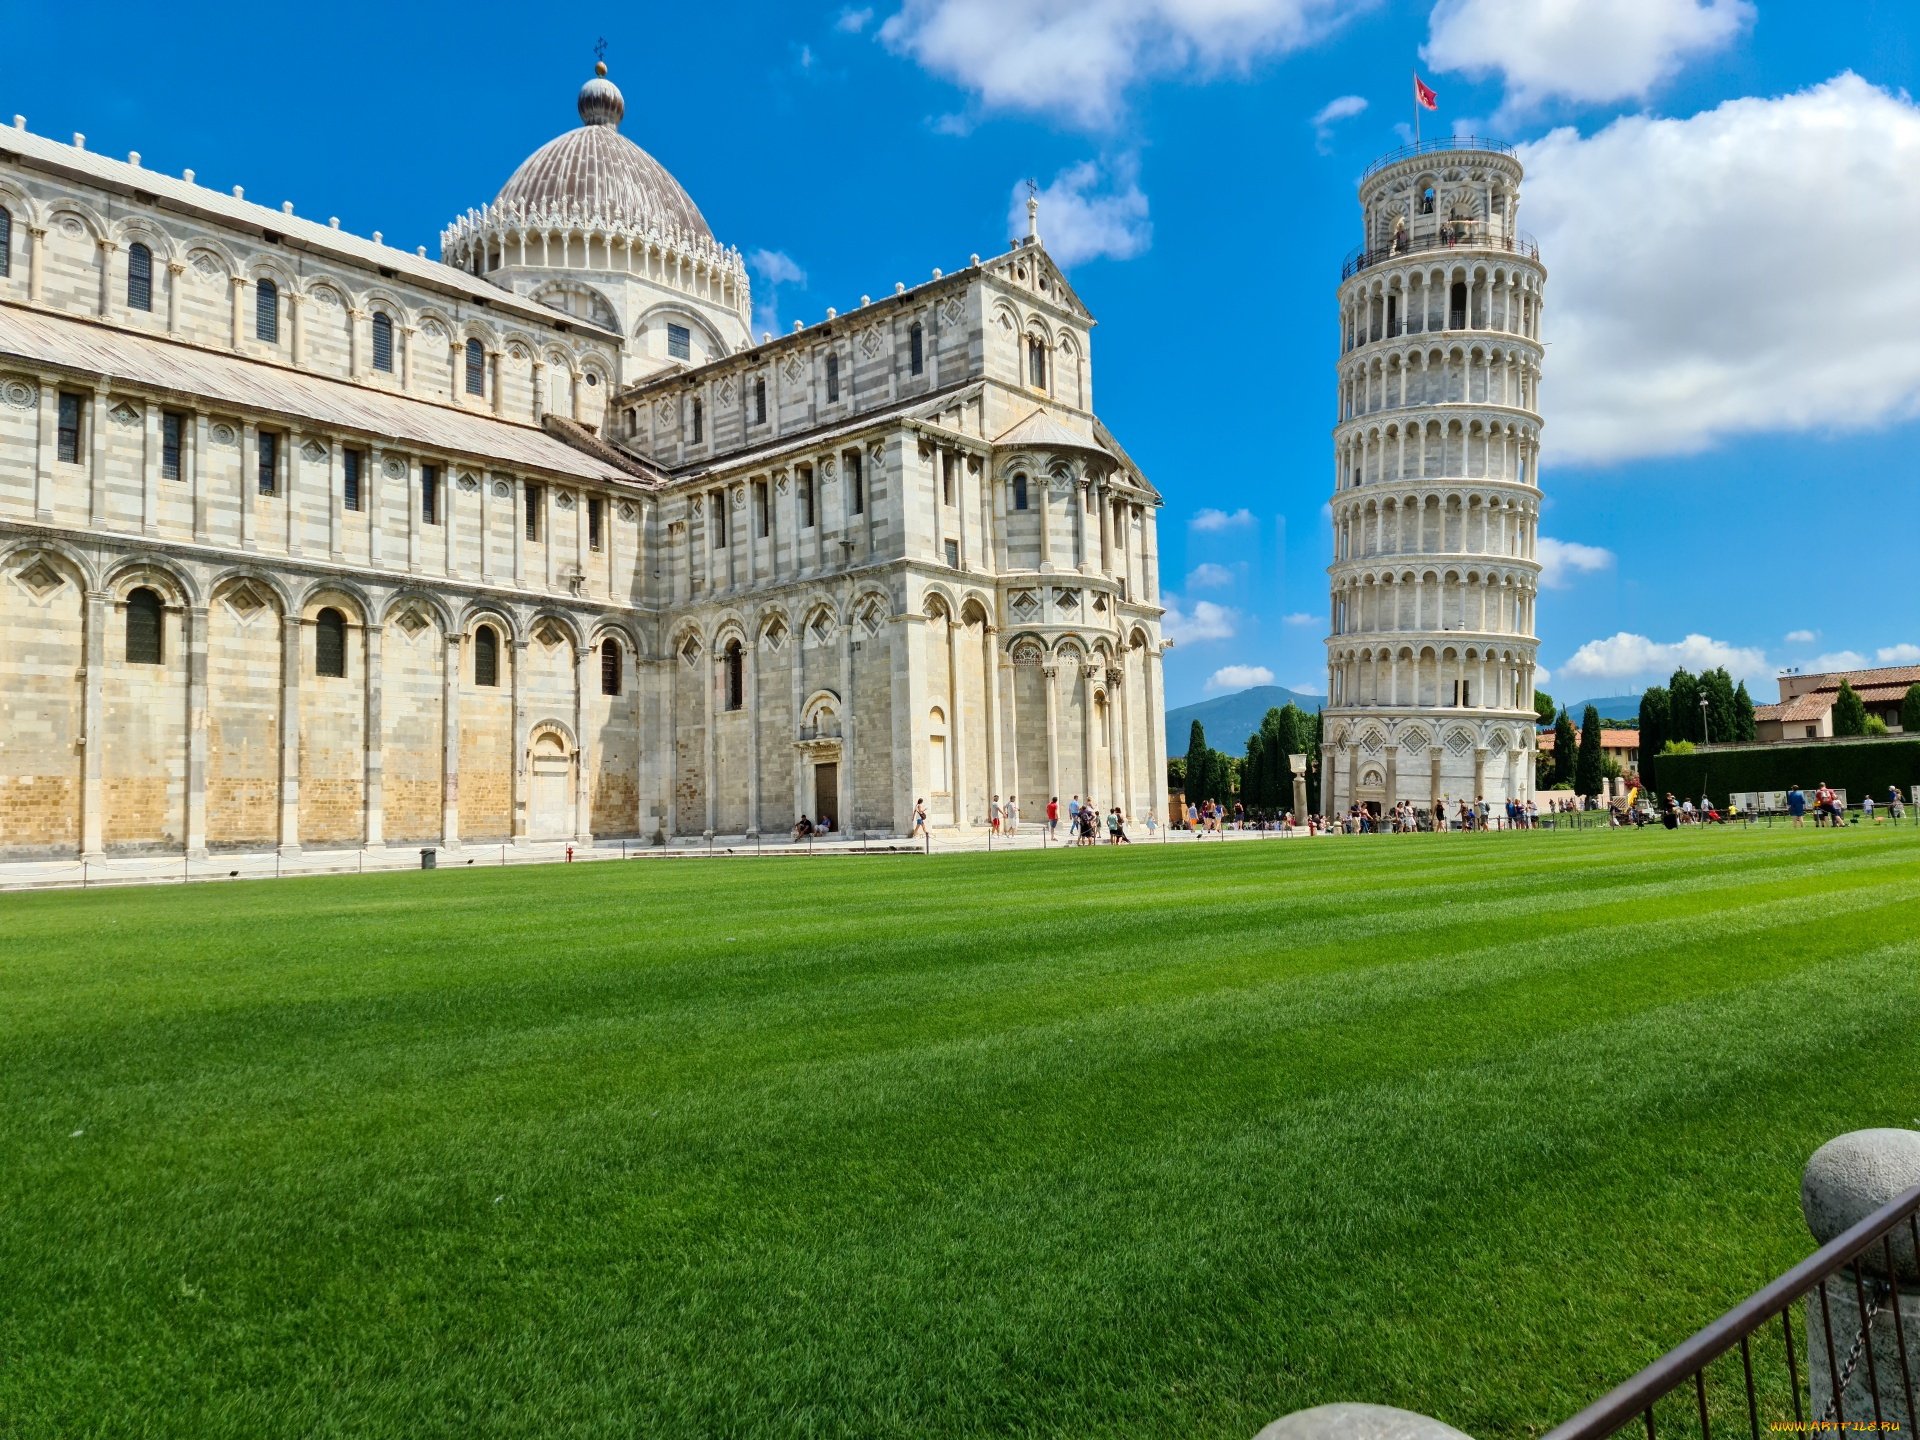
(1864, 768)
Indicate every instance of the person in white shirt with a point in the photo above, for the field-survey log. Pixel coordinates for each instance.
(1012, 814)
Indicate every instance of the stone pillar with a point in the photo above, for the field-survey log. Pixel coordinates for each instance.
(539, 389)
(249, 484)
(1042, 489)
(43, 472)
(583, 757)
(97, 457)
(197, 462)
(1051, 673)
(36, 264)
(1078, 497)
(290, 734)
(1087, 673)
(1846, 1180)
(710, 678)
(518, 649)
(93, 677)
(1156, 733)
(750, 657)
(373, 768)
(1393, 777)
(196, 620)
(956, 730)
(104, 307)
(848, 724)
(150, 472)
(1479, 772)
(990, 664)
(1120, 739)
(450, 744)
(237, 290)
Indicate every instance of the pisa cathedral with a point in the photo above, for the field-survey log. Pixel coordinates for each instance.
(1436, 503)
(306, 541)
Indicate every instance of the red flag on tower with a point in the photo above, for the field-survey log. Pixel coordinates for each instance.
(1424, 94)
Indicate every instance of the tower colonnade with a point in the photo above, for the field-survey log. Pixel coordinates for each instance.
(1434, 574)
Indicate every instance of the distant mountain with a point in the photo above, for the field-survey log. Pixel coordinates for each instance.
(1230, 719)
(1611, 707)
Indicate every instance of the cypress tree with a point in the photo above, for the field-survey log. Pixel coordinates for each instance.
(1910, 711)
(1586, 771)
(1743, 727)
(1849, 712)
(1196, 764)
(1655, 728)
(1565, 749)
(1683, 707)
(1716, 686)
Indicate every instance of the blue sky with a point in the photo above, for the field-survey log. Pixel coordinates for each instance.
(1727, 197)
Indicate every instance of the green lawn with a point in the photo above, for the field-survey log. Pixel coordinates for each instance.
(1154, 1142)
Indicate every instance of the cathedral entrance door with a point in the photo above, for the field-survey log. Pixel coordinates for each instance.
(550, 802)
(826, 793)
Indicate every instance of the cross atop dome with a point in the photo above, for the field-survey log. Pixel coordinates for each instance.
(601, 102)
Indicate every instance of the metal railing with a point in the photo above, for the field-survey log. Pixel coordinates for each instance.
(1454, 235)
(1435, 147)
(1686, 1366)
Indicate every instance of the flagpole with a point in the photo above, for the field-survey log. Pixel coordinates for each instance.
(1416, 111)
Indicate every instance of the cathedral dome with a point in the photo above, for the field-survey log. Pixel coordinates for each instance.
(597, 170)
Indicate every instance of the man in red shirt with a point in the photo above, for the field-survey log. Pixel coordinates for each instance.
(1053, 817)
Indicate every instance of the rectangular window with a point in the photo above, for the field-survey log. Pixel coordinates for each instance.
(269, 462)
(350, 479)
(533, 512)
(679, 343)
(1019, 492)
(805, 484)
(916, 350)
(429, 495)
(856, 483)
(6, 242)
(833, 378)
(699, 422)
(760, 400)
(946, 479)
(717, 516)
(594, 508)
(69, 429)
(760, 508)
(170, 427)
(953, 554)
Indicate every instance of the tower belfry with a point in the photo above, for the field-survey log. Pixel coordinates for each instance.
(1436, 504)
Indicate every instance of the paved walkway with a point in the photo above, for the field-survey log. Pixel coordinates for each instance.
(176, 869)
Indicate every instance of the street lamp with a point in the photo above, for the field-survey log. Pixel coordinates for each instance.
(1704, 737)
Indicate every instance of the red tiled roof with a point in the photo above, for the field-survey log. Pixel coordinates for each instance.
(1609, 740)
(1802, 708)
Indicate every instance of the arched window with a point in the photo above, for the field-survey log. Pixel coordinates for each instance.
(610, 667)
(1426, 200)
(6, 242)
(937, 752)
(760, 400)
(382, 342)
(833, 377)
(916, 349)
(699, 422)
(266, 312)
(1036, 363)
(736, 676)
(476, 368)
(1019, 492)
(330, 644)
(143, 627)
(486, 656)
(139, 277)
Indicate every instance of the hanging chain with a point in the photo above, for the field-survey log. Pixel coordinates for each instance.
(1877, 1291)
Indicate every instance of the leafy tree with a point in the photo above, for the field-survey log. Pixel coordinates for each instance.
(1875, 726)
(1849, 712)
(1564, 749)
(1677, 747)
(1586, 769)
(1910, 711)
(1543, 706)
(1743, 726)
(1683, 706)
(1196, 776)
(1656, 727)
(1177, 773)
(1716, 688)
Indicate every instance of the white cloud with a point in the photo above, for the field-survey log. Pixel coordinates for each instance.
(1594, 51)
(1205, 621)
(775, 268)
(1300, 618)
(1075, 59)
(1836, 660)
(1802, 637)
(1626, 656)
(1238, 677)
(1089, 211)
(1541, 675)
(1209, 576)
(1729, 273)
(1560, 560)
(853, 21)
(1898, 654)
(1344, 108)
(1207, 522)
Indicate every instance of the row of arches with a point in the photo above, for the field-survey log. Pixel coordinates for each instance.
(1495, 602)
(1475, 447)
(1432, 676)
(1436, 523)
(1415, 298)
(1432, 375)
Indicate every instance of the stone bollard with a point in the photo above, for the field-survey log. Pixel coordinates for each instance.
(1847, 1180)
(1358, 1422)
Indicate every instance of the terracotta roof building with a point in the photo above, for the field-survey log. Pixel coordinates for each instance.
(1805, 711)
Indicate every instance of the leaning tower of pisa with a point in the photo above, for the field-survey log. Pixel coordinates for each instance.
(1436, 499)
